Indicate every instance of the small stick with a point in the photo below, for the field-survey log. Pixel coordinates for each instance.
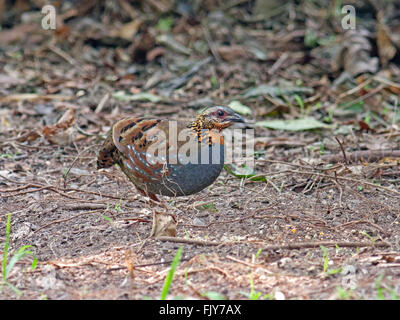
(102, 103)
(369, 155)
(362, 221)
(190, 241)
(66, 219)
(289, 246)
(349, 179)
(63, 55)
(278, 63)
(342, 148)
(210, 43)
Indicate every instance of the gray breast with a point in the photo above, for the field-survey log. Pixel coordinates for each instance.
(192, 172)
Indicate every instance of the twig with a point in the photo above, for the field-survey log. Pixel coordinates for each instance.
(342, 148)
(304, 245)
(365, 96)
(362, 221)
(67, 219)
(336, 182)
(210, 43)
(102, 103)
(278, 63)
(65, 175)
(247, 263)
(368, 155)
(208, 269)
(355, 89)
(40, 187)
(290, 246)
(84, 206)
(348, 179)
(190, 241)
(63, 55)
(387, 82)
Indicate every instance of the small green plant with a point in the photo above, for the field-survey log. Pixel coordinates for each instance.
(369, 237)
(117, 206)
(258, 253)
(343, 293)
(367, 118)
(170, 275)
(329, 117)
(300, 102)
(208, 206)
(325, 257)
(43, 296)
(321, 149)
(310, 39)
(7, 266)
(214, 81)
(165, 24)
(212, 295)
(337, 8)
(253, 294)
(326, 263)
(380, 289)
(6, 155)
(107, 218)
(187, 235)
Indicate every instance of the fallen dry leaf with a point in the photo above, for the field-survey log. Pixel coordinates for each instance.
(17, 33)
(230, 53)
(61, 133)
(355, 54)
(32, 97)
(386, 48)
(154, 53)
(30, 136)
(127, 30)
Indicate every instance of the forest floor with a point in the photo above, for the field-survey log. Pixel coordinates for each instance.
(319, 216)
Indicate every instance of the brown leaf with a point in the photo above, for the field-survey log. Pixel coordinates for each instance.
(30, 136)
(61, 133)
(128, 30)
(154, 53)
(143, 44)
(364, 126)
(386, 48)
(17, 33)
(163, 225)
(230, 53)
(355, 54)
(16, 167)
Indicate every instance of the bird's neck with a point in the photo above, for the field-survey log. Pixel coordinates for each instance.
(201, 123)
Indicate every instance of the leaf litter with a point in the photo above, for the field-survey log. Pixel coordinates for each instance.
(288, 68)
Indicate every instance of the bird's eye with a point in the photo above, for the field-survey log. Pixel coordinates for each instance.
(220, 113)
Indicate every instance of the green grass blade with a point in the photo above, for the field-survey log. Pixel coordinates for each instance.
(170, 275)
(21, 252)
(325, 257)
(14, 288)
(6, 246)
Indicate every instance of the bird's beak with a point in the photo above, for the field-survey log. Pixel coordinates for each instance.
(236, 118)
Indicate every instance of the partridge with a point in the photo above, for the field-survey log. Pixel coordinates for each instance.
(166, 157)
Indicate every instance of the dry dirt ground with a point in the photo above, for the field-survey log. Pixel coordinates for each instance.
(313, 228)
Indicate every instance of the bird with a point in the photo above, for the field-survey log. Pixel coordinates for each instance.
(167, 157)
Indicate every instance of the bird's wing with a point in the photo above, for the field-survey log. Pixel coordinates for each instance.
(136, 139)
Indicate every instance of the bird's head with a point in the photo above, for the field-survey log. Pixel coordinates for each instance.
(218, 117)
